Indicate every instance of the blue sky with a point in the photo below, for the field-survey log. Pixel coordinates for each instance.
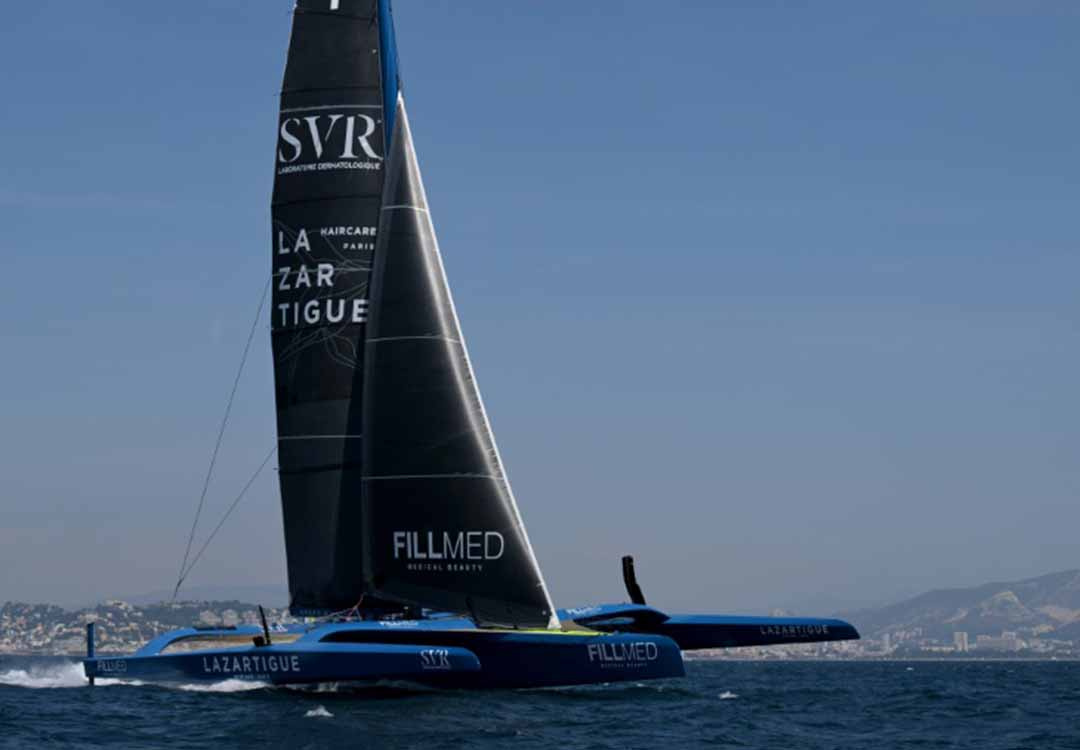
(781, 298)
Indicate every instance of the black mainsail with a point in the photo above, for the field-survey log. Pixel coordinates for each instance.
(326, 206)
(391, 483)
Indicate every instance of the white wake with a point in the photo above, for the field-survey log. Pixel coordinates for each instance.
(70, 675)
(66, 675)
(226, 686)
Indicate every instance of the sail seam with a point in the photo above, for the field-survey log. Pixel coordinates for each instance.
(390, 339)
(321, 469)
(325, 199)
(430, 476)
(319, 437)
(332, 13)
(332, 106)
(337, 330)
(286, 273)
(318, 89)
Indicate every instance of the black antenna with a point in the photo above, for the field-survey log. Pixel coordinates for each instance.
(630, 579)
(266, 628)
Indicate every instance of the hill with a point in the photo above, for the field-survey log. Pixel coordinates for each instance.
(1048, 606)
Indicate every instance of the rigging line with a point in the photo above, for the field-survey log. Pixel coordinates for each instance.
(220, 436)
(225, 518)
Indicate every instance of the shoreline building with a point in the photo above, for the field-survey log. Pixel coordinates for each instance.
(960, 642)
(1007, 641)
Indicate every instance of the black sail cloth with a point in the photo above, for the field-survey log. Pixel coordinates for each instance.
(443, 527)
(392, 488)
(327, 197)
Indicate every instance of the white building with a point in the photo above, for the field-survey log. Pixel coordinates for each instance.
(960, 642)
(1008, 641)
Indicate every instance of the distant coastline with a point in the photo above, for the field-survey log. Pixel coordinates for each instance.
(122, 627)
(1037, 619)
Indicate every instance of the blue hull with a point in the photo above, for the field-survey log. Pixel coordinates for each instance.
(623, 642)
(440, 654)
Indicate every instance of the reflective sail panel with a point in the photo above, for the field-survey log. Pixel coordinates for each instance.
(442, 529)
(328, 184)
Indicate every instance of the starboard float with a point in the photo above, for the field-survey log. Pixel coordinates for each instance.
(395, 502)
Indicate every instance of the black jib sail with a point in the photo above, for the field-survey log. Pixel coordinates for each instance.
(327, 198)
(391, 483)
(443, 528)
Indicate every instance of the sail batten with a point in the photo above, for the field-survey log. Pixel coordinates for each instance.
(493, 477)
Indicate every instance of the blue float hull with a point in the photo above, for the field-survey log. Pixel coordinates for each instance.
(693, 632)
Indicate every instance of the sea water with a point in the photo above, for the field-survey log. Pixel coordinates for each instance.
(783, 705)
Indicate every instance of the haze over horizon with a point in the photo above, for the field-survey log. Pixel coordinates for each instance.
(782, 301)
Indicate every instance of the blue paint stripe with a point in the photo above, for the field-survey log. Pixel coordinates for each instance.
(389, 59)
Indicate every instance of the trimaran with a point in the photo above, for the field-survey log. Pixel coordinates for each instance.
(396, 506)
